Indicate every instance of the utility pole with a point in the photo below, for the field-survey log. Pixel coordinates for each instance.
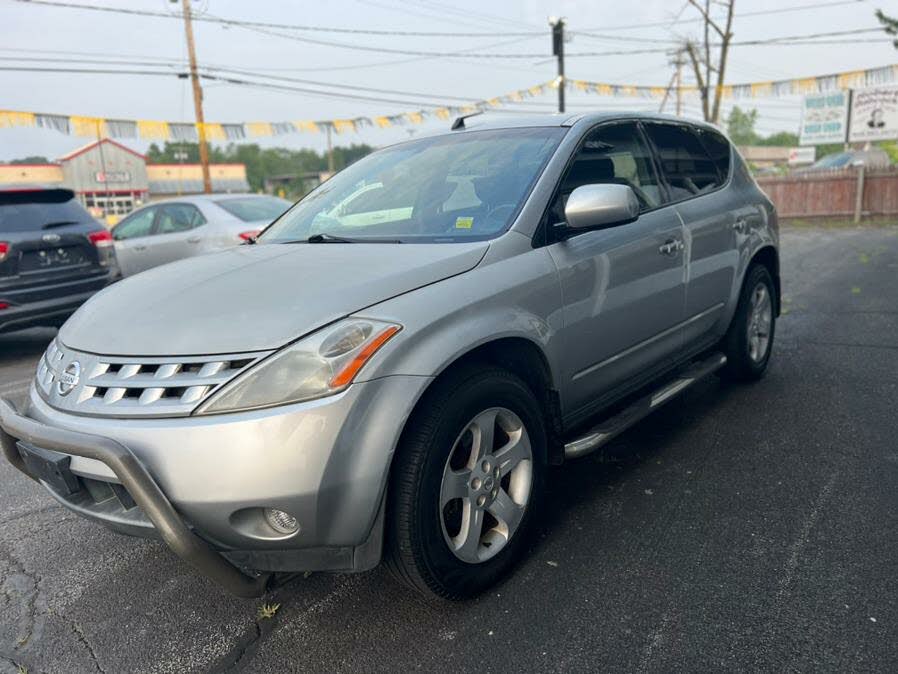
(197, 99)
(330, 149)
(679, 65)
(557, 25)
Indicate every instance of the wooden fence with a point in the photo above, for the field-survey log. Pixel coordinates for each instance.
(854, 193)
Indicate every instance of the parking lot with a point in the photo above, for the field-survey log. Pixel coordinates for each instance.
(739, 527)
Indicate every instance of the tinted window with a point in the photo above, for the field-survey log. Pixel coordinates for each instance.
(252, 209)
(30, 210)
(135, 225)
(718, 149)
(178, 218)
(687, 166)
(411, 191)
(611, 154)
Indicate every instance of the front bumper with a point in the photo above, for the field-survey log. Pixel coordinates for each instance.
(200, 483)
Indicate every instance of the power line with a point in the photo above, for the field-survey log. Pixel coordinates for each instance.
(780, 10)
(286, 26)
(260, 28)
(213, 69)
(245, 82)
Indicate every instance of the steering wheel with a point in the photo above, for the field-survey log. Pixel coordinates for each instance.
(500, 213)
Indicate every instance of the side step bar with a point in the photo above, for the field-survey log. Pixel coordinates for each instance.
(612, 427)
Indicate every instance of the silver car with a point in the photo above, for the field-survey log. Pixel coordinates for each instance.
(165, 231)
(393, 386)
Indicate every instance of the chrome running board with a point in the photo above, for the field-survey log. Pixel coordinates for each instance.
(613, 426)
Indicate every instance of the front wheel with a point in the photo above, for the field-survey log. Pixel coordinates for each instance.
(466, 483)
(749, 340)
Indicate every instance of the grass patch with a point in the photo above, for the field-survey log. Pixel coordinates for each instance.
(267, 611)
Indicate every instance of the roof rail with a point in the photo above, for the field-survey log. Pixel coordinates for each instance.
(459, 122)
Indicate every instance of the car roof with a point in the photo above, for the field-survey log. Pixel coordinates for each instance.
(496, 120)
(204, 198)
(32, 187)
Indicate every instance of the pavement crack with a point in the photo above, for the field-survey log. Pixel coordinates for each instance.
(246, 646)
(82, 639)
(30, 603)
(30, 513)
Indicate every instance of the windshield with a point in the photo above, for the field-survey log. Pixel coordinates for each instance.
(834, 160)
(462, 187)
(251, 209)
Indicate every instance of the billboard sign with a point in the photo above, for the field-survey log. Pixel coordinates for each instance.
(874, 114)
(824, 118)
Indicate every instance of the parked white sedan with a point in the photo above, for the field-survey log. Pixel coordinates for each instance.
(169, 230)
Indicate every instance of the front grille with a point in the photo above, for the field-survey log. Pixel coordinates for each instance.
(131, 386)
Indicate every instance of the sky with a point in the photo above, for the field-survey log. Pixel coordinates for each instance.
(30, 31)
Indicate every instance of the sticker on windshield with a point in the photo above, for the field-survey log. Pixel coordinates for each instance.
(464, 223)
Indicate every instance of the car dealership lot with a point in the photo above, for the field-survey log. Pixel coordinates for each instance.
(738, 527)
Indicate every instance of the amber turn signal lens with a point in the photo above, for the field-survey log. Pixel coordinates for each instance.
(348, 373)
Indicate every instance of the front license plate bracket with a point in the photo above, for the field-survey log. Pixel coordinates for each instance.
(51, 467)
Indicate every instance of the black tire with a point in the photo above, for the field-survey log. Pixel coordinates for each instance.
(417, 552)
(735, 345)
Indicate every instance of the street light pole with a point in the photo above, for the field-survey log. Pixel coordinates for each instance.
(557, 25)
(197, 99)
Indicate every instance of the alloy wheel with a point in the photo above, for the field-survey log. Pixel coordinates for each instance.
(486, 485)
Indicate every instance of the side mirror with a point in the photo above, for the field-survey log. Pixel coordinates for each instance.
(594, 206)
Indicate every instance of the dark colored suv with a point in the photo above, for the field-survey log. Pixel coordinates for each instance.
(53, 256)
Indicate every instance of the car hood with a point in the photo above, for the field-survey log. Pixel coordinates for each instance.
(253, 298)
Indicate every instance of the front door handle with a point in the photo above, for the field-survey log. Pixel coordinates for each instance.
(140, 248)
(670, 247)
(194, 239)
(740, 225)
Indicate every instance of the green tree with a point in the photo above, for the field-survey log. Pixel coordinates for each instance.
(781, 139)
(31, 159)
(741, 126)
(260, 163)
(889, 25)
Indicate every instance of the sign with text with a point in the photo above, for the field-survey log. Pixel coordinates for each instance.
(874, 114)
(824, 118)
(802, 155)
(113, 176)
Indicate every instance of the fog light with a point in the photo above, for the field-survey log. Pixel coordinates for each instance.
(283, 523)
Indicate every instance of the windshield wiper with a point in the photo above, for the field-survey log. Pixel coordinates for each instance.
(328, 238)
(60, 223)
(324, 237)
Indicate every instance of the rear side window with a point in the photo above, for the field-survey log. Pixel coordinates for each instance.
(686, 164)
(254, 209)
(718, 149)
(39, 209)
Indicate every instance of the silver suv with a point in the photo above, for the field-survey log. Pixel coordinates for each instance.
(390, 368)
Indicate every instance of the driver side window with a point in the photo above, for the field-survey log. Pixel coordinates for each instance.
(615, 154)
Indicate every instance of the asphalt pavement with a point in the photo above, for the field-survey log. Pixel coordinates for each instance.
(738, 528)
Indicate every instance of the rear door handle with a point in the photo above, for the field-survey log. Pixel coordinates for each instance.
(194, 239)
(140, 248)
(740, 225)
(670, 247)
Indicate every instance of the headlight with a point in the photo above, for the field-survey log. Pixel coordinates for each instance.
(319, 365)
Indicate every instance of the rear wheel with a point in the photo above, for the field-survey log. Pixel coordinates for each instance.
(467, 481)
(749, 340)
